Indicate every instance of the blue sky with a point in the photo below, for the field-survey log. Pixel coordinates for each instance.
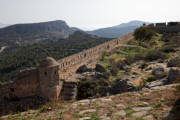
(88, 14)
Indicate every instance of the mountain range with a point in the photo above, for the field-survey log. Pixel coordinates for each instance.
(28, 34)
(27, 44)
(25, 34)
(118, 30)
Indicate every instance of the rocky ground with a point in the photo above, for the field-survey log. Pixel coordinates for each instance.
(152, 104)
(146, 89)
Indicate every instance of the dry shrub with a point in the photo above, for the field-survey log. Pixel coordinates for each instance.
(114, 69)
(155, 55)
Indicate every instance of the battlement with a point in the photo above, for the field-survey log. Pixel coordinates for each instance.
(170, 27)
(48, 78)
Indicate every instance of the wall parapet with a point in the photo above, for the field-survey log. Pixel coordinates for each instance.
(46, 79)
(88, 54)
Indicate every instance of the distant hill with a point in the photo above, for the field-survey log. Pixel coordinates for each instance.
(3, 25)
(119, 30)
(25, 34)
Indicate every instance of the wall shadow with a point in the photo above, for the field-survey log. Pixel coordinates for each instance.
(174, 114)
(16, 105)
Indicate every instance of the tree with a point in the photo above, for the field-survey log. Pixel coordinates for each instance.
(144, 33)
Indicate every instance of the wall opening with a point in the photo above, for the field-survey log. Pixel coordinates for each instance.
(45, 73)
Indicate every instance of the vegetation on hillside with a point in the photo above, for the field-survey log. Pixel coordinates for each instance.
(17, 59)
(144, 33)
(158, 47)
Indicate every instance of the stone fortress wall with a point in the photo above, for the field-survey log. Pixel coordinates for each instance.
(48, 78)
(170, 27)
(89, 55)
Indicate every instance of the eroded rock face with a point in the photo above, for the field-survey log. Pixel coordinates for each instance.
(159, 72)
(174, 75)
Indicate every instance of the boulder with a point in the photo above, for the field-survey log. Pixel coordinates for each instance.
(96, 75)
(83, 69)
(175, 62)
(174, 75)
(126, 68)
(157, 83)
(159, 72)
(122, 66)
(100, 68)
(122, 85)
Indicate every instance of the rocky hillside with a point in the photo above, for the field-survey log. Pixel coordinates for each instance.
(159, 103)
(25, 34)
(119, 30)
(136, 81)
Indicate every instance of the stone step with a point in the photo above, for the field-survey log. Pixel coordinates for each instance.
(68, 93)
(69, 85)
(69, 89)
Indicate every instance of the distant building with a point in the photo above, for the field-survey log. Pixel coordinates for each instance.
(170, 27)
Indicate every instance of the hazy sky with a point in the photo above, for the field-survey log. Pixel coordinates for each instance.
(88, 13)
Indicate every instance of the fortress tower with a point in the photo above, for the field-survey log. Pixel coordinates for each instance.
(49, 82)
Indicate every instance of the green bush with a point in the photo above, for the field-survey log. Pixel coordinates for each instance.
(103, 55)
(144, 33)
(92, 87)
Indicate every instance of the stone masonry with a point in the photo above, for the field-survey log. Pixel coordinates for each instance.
(50, 78)
(170, 27)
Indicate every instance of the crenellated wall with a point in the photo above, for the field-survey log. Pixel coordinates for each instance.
(46, 80)
(89, 54)
(170, 27)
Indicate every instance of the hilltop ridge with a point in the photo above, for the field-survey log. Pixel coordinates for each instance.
(27, 34)
(118, 30)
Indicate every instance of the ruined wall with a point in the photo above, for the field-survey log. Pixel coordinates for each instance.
(26, 85)
(90, 53)
(45, 80)
(75, 60)
(169, 27)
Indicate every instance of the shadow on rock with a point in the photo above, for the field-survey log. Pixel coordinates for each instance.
(174, 114)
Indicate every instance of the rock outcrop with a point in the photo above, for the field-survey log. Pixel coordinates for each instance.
(159, 72)
(174, 75)
(122, 85)
(100, 68)
(83, 69)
